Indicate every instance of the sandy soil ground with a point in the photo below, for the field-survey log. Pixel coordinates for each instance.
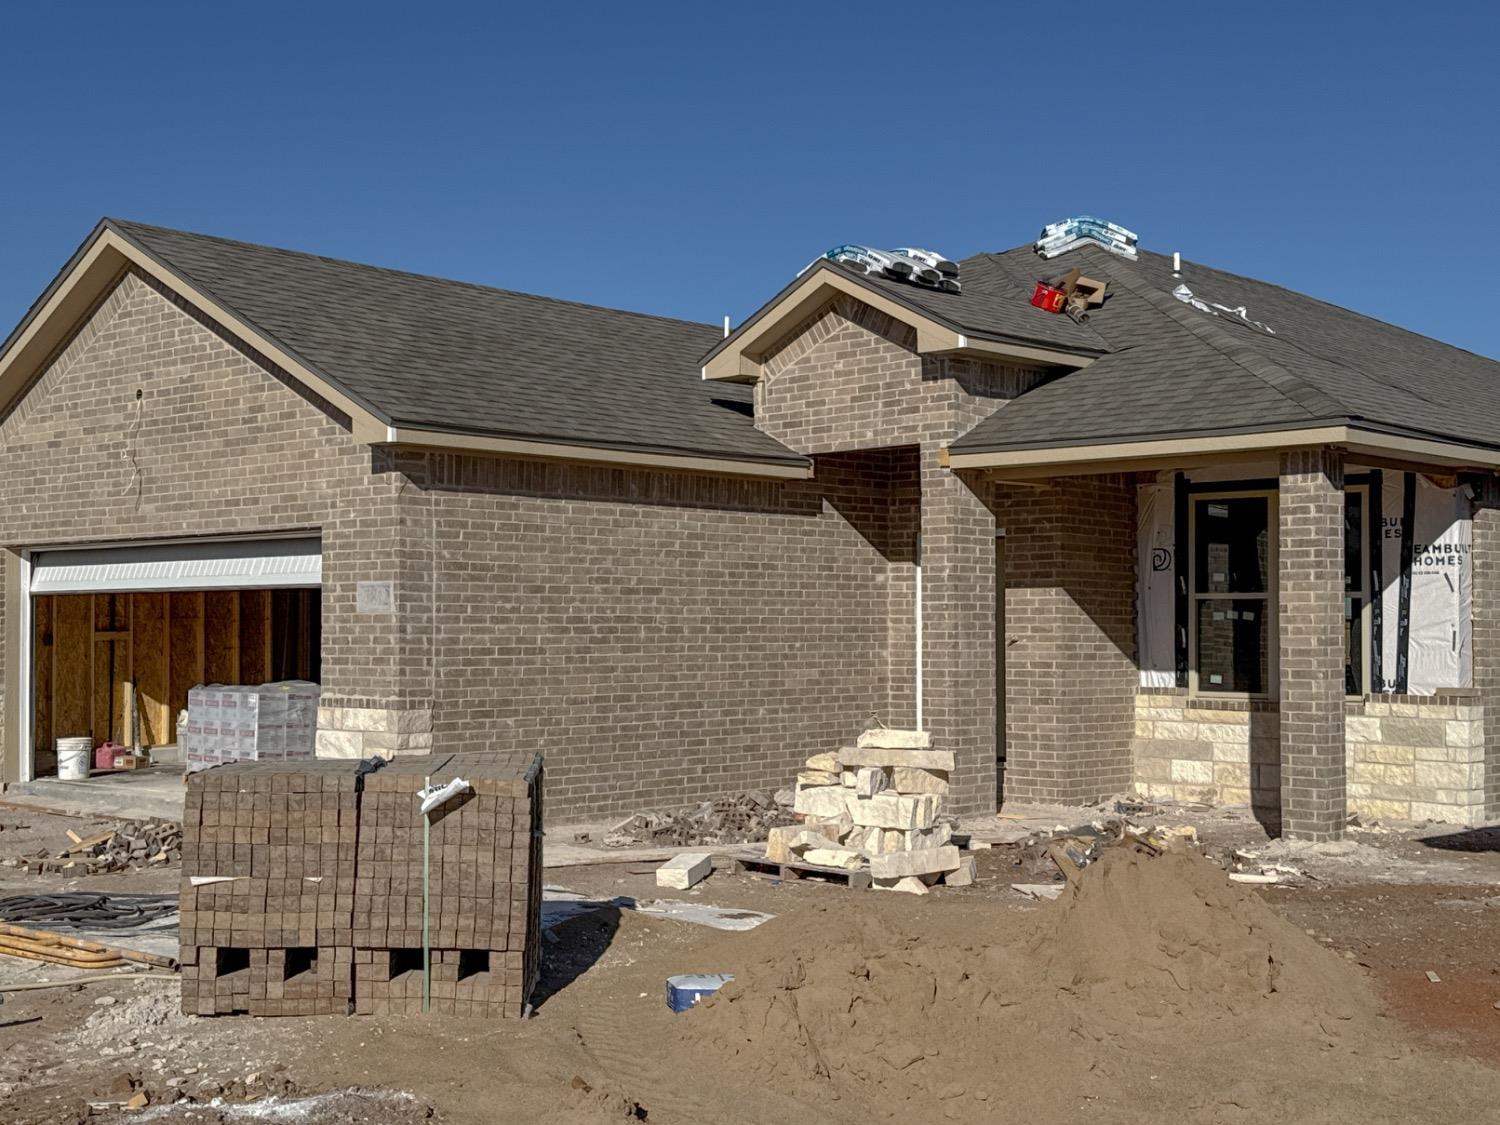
(602, 1045)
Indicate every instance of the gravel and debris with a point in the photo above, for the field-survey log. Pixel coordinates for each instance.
(129, 845)
(740, 818)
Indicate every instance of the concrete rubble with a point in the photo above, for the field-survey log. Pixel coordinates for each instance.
(876, 806)
(128, 846)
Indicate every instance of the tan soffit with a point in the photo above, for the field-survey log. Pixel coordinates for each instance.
(1121, 456)
(516, 447)
(740, 361)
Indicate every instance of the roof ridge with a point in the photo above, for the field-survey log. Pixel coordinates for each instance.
(1292, 387)
(128, 224)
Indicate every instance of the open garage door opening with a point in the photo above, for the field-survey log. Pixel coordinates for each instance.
(115, 649)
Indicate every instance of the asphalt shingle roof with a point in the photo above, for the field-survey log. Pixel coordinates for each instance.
(430, 353)
(1175, 371)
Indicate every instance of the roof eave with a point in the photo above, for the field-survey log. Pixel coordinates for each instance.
(1355, 436)
(738, 357)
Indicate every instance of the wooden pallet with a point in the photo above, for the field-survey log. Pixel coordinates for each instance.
(795, 872)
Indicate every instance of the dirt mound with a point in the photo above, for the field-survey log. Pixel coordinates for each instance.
(900, 1020)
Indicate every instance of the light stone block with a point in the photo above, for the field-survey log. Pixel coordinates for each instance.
(1377, 709)
(869, 781)
(1192, 772)
(964, 874)
(826, 763)
(910, 779)
(339, 744)
(890, 810)
(812, 778)
(1443, 814)
(1361, 728)
(1380, 810)
(885, 738)
(1465, 734)
(1385, 755)
(897, 865)
(1449, 775)
(1224, 732)
(413, 720)
(934, 837)
(783, 839)
(911, 885)
(1232, 773)
(846, 858)
(683, 871)
(378, 719)
(1234, 796)
(1232, 752)
(830, 801)
(1413, 732)
(1180, 732)
(855, 756)
(1144, 728)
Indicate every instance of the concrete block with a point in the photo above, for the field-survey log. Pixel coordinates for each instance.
(681, 872)
(812, 778)
(885, 738)
(898, 865)
(869, 781)
(822, 800)
(910, 885)
(846, 858)
(910, 779)
(890, 810)
(827, 762)
(857, 756)
(964, 874)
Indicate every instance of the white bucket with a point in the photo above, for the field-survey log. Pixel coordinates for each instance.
(73, 756)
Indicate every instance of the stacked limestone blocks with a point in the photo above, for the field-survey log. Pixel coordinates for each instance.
(268, 860)
(485, 886)
(876, 804)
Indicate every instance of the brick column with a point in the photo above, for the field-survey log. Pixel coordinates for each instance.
(958, 591)
(1486, 636)
(1310, 603)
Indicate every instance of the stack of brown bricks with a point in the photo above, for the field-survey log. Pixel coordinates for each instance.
(302, 887)
(484, 887)
(268, 876)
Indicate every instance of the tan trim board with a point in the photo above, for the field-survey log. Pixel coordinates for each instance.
(1175, 451)
(728, 466)
(741, 359)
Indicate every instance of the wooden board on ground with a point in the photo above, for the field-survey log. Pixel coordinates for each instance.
(793, 872)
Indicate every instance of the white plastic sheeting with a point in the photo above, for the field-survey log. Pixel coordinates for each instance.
(1155, 577)
(1433, 615)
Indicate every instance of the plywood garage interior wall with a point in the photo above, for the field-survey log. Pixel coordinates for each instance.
(88, 647)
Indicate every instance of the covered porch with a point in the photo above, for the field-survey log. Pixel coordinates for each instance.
(1312, 633)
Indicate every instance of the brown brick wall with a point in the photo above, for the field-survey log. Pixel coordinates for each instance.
(153, 424)
(1070, 668)
(1310, 602)
(659, 637)
(1486, 636)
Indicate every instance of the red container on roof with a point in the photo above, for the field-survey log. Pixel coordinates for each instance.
(1047, 298)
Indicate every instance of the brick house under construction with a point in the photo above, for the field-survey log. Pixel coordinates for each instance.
(1236, 545)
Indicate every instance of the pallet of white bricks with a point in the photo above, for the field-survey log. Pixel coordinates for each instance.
(302, 887)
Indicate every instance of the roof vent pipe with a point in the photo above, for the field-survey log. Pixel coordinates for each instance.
(1176, 264)
(726, 326)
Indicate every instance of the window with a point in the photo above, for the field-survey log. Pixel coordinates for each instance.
(1356, 591)
(1232, 623)
(1232, 594)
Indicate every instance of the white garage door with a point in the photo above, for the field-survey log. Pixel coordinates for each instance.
(203, 565)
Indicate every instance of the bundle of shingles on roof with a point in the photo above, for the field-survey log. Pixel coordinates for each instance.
(1085, 230)
(905, 263)
(877, 805)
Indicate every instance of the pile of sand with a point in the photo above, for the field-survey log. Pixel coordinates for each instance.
(898, 1019)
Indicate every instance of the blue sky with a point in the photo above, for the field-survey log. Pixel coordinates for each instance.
(688, 159)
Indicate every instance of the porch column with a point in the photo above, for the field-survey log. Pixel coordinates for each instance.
(1310, 604)
(958, 594)
(1486, 635)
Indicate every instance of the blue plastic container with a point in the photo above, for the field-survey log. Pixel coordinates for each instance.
(686, 989)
